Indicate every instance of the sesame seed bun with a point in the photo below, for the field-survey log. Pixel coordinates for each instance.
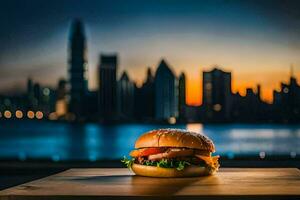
(152, 171)
(175, 138)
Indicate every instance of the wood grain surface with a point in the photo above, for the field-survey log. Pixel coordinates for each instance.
(120, 183)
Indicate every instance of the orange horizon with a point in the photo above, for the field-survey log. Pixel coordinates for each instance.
(194, 88)
(269, 80)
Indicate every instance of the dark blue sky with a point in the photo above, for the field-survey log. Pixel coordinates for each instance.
(258, 40)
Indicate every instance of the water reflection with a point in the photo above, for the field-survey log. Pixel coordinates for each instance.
(93, 142)
(253, 139)
(195, 127)
(59, 141)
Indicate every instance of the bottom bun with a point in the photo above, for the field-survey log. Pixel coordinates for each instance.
(153, 171)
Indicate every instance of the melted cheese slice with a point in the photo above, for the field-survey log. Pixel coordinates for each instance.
(211, 161)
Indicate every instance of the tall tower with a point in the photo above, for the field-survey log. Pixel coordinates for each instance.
(217, 94)
(181, 95)
(78, 69)
(108, 87)
(166, 93)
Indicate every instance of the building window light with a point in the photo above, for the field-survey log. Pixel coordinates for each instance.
(217, 107)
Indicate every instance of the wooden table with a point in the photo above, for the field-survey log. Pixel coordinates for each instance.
(120, 183)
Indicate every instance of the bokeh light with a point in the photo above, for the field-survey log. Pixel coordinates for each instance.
(19, 114)
(39, 115)
(30, 114)
(7, 114)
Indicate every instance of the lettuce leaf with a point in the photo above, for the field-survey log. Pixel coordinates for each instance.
(164, 163)
(128, 161)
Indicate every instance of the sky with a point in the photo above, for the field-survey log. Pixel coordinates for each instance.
(257, 41)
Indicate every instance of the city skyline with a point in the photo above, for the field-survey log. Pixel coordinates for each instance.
(160, 88)
(258, 42)
(161, 98)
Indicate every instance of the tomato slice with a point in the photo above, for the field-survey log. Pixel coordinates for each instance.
(147, 151)
(150, 151)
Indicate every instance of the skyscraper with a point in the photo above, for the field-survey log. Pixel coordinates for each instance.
(78, 69)
(217, 94)
(182, 96)
(287, 100)
(125, 97)
(108, 87)
(145, 96)
(166, 93)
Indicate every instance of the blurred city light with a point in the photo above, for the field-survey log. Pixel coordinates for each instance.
(19, 114)
(172, 120)
(39, 115)
(286, 90)
(195, 127)
(262, 154)
(46, 91)
(61, 107)
(7, 114)
(30, 114)
(217, 107)
(52, 116)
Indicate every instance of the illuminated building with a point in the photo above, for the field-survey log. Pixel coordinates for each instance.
(217, 94)
(61, 106)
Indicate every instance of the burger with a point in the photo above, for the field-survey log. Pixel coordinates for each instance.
(172, 153)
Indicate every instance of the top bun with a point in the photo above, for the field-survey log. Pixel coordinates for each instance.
(175, 138)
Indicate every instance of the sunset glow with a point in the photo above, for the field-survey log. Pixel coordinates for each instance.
(194, 87)
(256, 42)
